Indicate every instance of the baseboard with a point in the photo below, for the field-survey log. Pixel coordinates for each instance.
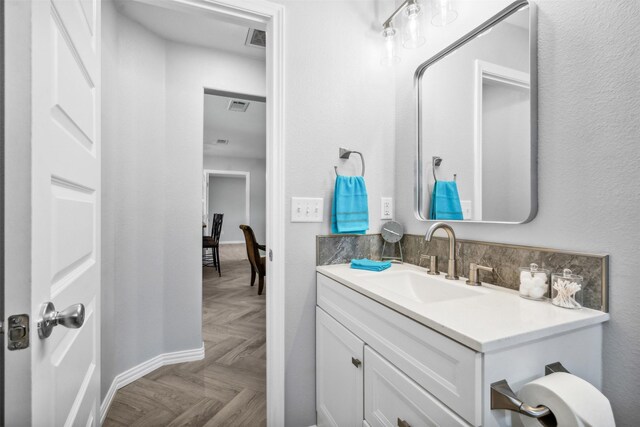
(139, 371)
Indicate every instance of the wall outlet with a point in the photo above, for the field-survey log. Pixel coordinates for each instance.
(386, 208)
(466, 209)
(306, 209)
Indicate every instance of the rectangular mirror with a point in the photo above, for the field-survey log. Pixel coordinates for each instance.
(477, 124)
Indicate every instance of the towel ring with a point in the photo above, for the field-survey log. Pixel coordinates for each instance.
(435, 162)
(344, 154)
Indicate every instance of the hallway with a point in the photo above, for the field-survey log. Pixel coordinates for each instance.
(227, 387)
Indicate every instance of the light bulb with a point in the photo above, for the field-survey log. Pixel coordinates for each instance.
(412, 35)
(389, 54)
(444, 13)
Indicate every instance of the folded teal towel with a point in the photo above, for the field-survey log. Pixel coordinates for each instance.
(367, 264)
(445, 202)
(350, 210)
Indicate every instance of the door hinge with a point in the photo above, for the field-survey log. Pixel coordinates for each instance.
(270, 255)
(18, 332)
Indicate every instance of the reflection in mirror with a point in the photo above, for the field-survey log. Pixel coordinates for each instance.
(477, 124)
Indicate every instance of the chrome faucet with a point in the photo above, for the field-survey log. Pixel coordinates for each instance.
(451, 267)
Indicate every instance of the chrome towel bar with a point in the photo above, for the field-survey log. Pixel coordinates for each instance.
(503, 397)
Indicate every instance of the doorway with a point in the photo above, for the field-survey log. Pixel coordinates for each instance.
(501, 128)
(227, 192)
(22, 402)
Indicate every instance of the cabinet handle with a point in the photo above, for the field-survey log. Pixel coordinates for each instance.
(356, 362)
(403, 423)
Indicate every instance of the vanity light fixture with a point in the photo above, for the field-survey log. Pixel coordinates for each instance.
(412, 36)
(389, 51)
(412, 31)
(443, 13)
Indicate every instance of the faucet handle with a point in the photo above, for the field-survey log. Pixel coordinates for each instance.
(433, 264)
(474, 273)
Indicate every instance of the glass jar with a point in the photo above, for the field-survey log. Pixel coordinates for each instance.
(534, 282)
(566, 289)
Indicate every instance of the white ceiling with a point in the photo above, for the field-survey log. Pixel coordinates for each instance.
(246, 132)
(191, 28)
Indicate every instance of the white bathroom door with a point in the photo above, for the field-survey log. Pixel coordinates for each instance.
(52, 248)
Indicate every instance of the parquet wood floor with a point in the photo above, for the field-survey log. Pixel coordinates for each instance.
(227, 387)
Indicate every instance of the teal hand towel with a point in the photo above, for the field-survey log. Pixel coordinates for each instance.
(350, 210)
(445, 201)
(369, 265)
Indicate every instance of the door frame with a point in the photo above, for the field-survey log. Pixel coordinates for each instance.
(265, 15)
(229, 174)
(504, 75)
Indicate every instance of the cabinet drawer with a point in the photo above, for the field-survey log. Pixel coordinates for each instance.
(448, 370)
(393, 399)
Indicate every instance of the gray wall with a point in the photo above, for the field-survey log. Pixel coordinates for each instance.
(258, 190)
(589, 192)
(227, 196)
(133, 210)
(506, 182)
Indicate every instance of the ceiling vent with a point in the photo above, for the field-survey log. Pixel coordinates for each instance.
(237, 105)
(256, 38)
(222, 142)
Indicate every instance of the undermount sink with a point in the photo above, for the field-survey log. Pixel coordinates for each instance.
(420, 287)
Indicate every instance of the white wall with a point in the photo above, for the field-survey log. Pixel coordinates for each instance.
(227, 196)
(336, 95)
(133, 215)
(257, 169)
(589, 104)
(153, 126)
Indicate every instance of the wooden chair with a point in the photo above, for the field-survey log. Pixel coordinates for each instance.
(258, 263)
(213, 242)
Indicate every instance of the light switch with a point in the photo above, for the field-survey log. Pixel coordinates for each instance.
(386, 208)
(306, 209)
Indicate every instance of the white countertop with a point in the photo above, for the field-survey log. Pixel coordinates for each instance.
(493, 319)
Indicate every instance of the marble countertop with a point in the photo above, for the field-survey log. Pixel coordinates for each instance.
(492, 318)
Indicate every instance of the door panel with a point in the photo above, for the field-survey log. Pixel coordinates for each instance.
(62, 387)
(339, 382)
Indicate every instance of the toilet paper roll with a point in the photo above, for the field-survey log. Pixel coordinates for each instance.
(573, 401)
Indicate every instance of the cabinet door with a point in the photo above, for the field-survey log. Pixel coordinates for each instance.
(339, 374)
(393, 399)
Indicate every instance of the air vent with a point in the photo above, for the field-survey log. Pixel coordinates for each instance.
(256, 38)
(237, 105)
(222, 142)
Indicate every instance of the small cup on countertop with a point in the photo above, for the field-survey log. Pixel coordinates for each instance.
(534, 282)
(566, 289)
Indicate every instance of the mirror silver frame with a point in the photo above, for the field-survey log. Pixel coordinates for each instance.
(514, 7)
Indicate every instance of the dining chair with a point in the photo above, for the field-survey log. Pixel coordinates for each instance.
(257, 262)
(213, 242)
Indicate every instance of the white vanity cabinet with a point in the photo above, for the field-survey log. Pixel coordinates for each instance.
(377, 367)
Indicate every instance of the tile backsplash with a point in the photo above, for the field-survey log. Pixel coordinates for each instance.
(506, 259)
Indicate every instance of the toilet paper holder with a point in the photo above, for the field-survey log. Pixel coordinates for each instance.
(503, 397)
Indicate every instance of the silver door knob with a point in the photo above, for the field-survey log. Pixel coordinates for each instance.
(71, 317)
